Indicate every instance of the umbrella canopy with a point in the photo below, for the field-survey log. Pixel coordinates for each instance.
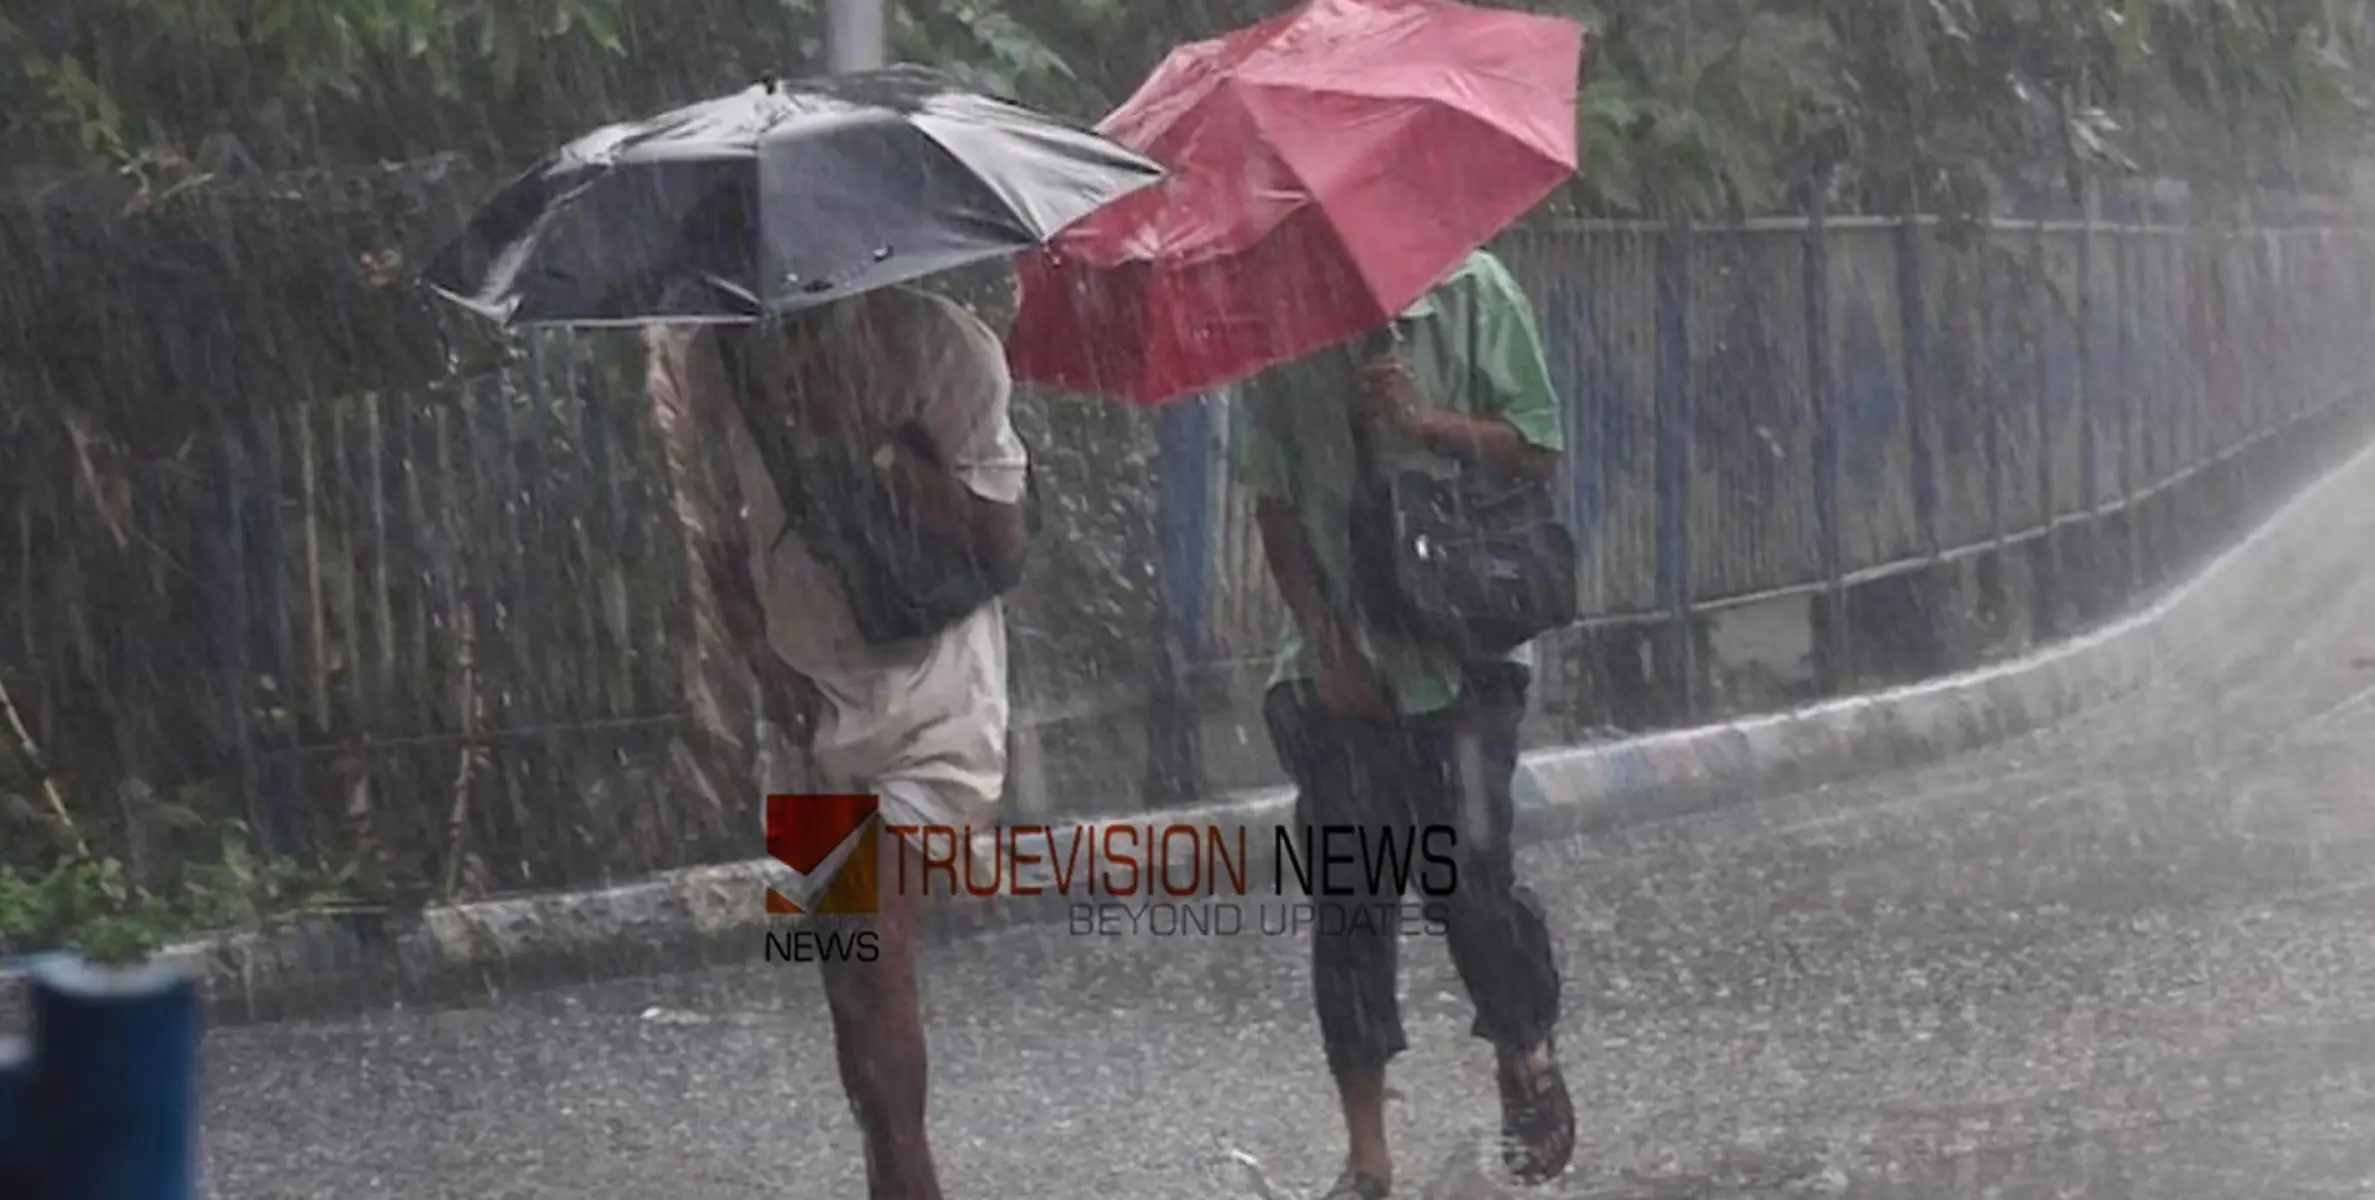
(779, 197)
(1328, 166)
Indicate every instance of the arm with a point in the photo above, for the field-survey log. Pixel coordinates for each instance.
(725, 565)
(1346, 680)
(1288, 552)
(1520, 428)
(784, 695)
(709, 503)
(1487, 441)
(1265, 465)
(708, 495)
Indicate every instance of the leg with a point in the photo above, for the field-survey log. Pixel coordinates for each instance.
(1499, 939)
(878, 1035)
(1341, 776)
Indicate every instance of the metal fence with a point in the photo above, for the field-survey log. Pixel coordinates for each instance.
(1786, 408)
(438, 631)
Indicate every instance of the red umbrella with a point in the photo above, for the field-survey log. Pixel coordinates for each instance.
(1328, 166)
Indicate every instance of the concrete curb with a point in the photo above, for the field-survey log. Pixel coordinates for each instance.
(708, 913)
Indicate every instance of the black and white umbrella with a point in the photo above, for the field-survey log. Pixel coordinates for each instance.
(776, 198)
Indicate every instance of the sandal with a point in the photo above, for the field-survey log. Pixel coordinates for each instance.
(1353, 1185)
(1537, 1115)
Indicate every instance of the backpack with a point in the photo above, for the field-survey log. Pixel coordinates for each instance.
(903, 580)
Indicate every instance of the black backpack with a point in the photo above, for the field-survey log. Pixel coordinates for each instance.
(903, 580)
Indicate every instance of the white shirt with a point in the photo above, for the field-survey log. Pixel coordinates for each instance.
(923, 723)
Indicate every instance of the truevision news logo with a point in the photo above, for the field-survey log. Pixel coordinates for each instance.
(1164, 879)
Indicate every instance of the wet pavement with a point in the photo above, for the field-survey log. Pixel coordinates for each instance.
(2133, 956)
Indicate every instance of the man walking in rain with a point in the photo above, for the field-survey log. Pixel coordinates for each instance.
(1385, 733)
(911, 387)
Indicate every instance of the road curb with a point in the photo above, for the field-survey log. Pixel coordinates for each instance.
(707, 914)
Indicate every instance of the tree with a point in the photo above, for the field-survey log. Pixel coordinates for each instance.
(159, 85)
(1955, 101)
(1716, 106)
(1702, 107)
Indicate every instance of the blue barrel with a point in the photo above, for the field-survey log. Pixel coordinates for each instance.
(16, 1072)
(108, 1108)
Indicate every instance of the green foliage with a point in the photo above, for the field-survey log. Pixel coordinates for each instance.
(169, 87)
(1961, 98)
(122, 79)
(985, 47)
(1710, 107)
(93, 906)
(1696, 108)
(1699, 107)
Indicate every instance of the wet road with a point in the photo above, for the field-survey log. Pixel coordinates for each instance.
(2131, 957)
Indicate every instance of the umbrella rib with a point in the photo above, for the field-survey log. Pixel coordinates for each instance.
(1350, 85)
(551, 215)
(1013, 225)
(923, 123)
(1310, 194)
(1566, 96)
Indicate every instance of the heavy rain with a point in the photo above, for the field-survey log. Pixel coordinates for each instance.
(1231, 600)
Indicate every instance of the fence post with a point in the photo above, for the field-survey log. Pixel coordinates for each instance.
(2090, 534)
(1913, 308)
(2045, 589)
(1998, 327)
(2173, 368)
(2206, 490)
(1833, 651)
(1677, 652)
(278, 771)
(108, 1105)
(2363, 257)
(1183, 574)
(228, 608)
(2134, 544)
(1921, 636)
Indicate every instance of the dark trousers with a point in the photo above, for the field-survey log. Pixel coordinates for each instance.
(1449, 768)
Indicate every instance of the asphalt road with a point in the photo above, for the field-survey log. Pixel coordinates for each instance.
(2131, 957)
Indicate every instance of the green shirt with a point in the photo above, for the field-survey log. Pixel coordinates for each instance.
(1472, 345)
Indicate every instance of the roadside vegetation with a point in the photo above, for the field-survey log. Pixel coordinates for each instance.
(1702, 109)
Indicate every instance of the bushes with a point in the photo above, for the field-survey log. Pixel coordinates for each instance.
(94, 905)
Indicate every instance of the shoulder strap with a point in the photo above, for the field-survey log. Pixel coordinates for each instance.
(768, 436)
(1364, 440)
(1364, 446)
(1031, 515)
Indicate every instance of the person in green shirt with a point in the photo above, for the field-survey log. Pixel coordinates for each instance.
(1378, 732)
